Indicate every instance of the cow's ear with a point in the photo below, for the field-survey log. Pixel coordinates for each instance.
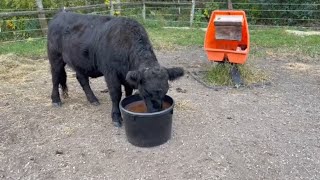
(133, 78)
(175, 73)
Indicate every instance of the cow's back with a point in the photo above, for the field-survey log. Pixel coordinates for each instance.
(66, 23)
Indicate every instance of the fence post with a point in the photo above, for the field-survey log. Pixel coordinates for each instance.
(192, 12)
(179, 8)
(230, 5)
(118, 11)
(144, 10)
(111, 8)
(42, 18)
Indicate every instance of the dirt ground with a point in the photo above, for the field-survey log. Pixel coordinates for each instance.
(268, 132)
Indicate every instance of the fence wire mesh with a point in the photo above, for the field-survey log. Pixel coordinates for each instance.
(167, 13)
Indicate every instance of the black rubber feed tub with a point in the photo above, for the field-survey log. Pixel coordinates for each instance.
(147, 129)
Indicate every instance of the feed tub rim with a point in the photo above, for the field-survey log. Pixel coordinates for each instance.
(146, 114)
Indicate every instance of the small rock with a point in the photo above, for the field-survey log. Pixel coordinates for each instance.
(59, 152)
(104, 91)
(179, 90)
(229, 117)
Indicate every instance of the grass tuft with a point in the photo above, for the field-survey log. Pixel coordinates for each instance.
(220, 75)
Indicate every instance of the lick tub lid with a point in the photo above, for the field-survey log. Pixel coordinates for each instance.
(228, 20)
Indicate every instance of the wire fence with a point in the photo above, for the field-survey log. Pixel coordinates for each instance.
(24, 24)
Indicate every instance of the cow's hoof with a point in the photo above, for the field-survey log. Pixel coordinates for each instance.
(117, 124)
(57, 104)
(95, 103)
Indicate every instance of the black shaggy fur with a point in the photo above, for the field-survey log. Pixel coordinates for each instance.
(114, 47)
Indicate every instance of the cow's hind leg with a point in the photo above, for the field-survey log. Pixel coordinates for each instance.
(84, 82)
(63, 83)
(57, 69)
(114, 87)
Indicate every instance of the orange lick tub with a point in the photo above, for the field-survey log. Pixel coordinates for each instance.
(227, 36)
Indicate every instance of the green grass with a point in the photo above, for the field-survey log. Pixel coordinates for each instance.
(30, 48)
(279, 41)
(173, 38)
(265, 43)
(166, 39)
(275, 40)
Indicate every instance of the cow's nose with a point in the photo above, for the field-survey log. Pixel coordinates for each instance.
(157, 105)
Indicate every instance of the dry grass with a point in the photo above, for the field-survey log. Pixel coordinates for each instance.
(17, 69)
(184, 105)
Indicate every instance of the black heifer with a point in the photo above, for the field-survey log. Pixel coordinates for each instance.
(116, 48)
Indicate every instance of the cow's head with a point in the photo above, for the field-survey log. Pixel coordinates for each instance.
(153, 85)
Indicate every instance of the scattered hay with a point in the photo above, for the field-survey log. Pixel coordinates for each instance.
(298, 66)
(18, 69)
(184, 105)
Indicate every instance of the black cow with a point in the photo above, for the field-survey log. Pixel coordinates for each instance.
(114, 47)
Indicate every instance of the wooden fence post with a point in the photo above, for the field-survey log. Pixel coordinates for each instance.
(42, 18)
(192, 12)
(144, 10)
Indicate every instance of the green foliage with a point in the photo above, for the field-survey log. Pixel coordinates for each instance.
(18, 4)
(19, 28)
(169, 16)
(262, 12)
(280, 12)
(203, 14)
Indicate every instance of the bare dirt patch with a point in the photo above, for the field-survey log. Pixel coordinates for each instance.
(268, 132)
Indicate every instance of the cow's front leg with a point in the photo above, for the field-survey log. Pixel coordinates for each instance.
(114, 87)
(84, 82)
(128, 90)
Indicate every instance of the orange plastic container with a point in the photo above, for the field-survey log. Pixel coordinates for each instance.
(235, 51)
